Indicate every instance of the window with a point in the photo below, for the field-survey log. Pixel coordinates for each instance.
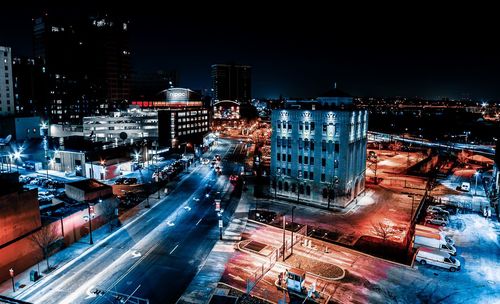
(336, 163)
(312, 126)
(58, 160)
(289, 126)
(279, 124)
(323, 162)
(289, 142)
(325, 193)
(301, 144)
(289, 158)
(308, 190)
(300, 159)
(307, 126)
(311, 175)
(78, 162)
(323, 177)
(306, 174)
(280, 185)
(289, 171)
(311, 162)
(278, 157)
(301, 189)
(294, 187)
(323, 145)
(286, 186)
(278, 142)
(306, 144)
(337, 147)
(283, 157)
(324, 128)
(312, 145)
(301, 126)
(306, 160)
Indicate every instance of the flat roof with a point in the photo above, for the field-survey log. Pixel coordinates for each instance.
(89, 185)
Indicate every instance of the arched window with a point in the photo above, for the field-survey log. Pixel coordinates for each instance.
(308, 190)
(301, 189)
(286, 186)
(294, 187)
(280, 186)
(325, 193)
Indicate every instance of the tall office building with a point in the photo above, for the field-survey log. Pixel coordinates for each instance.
(29, 86)
(318, 150)
(6, 82)
(232, 82)
(86, 62)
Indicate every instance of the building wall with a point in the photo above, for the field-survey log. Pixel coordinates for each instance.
(24, 254)
(6, 82)
(19, 214)
(27, 127)
(339, 153)
(177, 127)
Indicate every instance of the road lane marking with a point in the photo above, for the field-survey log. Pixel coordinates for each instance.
(198, 222)
(174, 249)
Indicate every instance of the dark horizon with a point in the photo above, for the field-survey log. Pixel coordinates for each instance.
(302, 56)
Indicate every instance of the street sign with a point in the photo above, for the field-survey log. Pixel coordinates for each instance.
(217, 205)
(220, 223)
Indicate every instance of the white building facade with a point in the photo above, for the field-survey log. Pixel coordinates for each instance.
(319, 151)
(6, 82)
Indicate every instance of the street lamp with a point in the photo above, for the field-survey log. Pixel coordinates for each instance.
(475, 188)
(89, 218)
(293, 208)
(219, 215)
(11, 272)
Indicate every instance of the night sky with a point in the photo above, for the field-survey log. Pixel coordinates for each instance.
(300, 52)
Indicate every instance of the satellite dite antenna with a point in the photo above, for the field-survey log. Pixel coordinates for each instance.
(6, 140)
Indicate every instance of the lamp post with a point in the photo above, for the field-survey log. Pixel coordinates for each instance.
(475, 188)
(11, 272)
(90, 217)
(219, 215)
(293, 208)
(299, 176)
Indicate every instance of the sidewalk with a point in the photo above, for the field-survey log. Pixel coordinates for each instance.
(66, 255)
(205, 282)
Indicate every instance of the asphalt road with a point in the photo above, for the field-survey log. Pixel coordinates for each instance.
(156, 255)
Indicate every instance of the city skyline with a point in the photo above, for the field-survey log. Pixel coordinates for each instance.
(299, 55)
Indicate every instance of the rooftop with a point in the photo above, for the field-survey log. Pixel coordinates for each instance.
(88, 185)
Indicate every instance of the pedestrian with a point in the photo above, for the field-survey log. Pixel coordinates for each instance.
(485, 212)
(489, 212)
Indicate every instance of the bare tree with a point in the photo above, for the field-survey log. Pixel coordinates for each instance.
(108, 211)
(44, 238)
(383, 230)
(462, 157)
(396, 146)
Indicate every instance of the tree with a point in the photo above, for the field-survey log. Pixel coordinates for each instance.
(383, 230)
(108, 214)
(462, 157)
(396, 146)
(44, 238)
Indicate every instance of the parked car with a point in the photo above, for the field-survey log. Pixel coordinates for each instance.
(436, 220)
(436, 209)
(452, 210)
(465, 186)
(437, 258)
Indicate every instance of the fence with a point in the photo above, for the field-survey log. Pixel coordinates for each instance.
(259, 273)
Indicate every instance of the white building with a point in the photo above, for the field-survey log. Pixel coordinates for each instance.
(318, 150)
(6, 82)
(135, 123)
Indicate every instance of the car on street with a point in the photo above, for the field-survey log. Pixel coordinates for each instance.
(465, 186)
(452, 210)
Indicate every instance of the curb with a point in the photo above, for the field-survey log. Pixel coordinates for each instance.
(347, 248)
(317, 275)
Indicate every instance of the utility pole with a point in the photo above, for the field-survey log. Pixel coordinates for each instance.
(293, 208)
(284, 230)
